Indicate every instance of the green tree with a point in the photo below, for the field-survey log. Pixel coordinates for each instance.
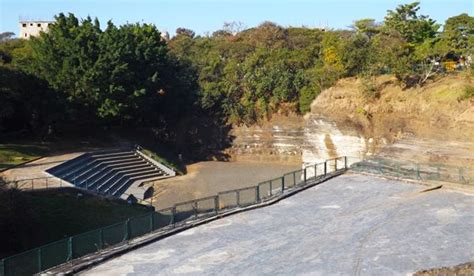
(459, 34)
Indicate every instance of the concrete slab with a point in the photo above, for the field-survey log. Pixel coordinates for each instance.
(350, 225)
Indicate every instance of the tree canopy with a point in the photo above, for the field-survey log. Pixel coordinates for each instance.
(128, 75)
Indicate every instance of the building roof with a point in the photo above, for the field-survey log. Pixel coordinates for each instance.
(35, 21)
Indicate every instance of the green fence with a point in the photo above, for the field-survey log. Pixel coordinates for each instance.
(418, 172)
(66, 250)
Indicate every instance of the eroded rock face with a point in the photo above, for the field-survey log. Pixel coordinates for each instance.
(303, 140)
(325, 140)
(280, 140)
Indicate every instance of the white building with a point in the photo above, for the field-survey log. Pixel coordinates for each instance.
(33, 28)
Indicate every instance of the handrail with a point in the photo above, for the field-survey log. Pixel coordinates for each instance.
(166, 169)
(173, 220)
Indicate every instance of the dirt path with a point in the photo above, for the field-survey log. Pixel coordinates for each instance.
(208, 178)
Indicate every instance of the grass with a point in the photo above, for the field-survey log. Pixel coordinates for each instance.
(62, 213)
(467, 93)
(14, 154)
(180, 169)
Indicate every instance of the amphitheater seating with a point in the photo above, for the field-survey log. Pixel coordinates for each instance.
(116, 172)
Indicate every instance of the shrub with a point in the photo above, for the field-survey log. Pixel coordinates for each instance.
(468, 93)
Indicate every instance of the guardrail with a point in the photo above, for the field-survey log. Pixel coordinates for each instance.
(50, 182)
(415, 171)
(68, 249)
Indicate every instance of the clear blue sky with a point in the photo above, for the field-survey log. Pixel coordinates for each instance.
(209, 15)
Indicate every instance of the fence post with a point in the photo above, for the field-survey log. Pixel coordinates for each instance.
(282, 184)
(294, 179)
(40, 265)
(101, 238)
(152, 221)
(195, 207)
(216, 204)
(257, 193)
(304, 172)
(325, 167)
(69, 249)
(345, 162)
(173, 213)
(127, 229)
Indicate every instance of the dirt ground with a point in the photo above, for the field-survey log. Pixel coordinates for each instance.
(208, 178)
(466, 269)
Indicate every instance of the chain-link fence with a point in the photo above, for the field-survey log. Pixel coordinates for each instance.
(419, 172)
(66, 250)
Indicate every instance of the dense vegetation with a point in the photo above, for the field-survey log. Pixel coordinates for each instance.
(186, 89)
(32, 219)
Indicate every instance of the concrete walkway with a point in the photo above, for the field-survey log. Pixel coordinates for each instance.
(350, 225)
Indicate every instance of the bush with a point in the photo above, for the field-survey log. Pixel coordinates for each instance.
(468, 93)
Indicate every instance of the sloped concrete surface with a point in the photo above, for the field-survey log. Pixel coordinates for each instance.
(350, 225)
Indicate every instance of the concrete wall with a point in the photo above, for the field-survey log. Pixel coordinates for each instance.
(33, 28)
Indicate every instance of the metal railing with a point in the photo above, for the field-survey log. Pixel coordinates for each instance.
(415, 171)
(68, 249)
(50, 182)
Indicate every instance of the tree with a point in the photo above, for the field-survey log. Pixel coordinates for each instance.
(459, 34)
(413, 28)
(367, 27)
(186, 32)
(5, 36)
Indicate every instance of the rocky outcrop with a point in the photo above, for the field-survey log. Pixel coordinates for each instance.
(419, 125)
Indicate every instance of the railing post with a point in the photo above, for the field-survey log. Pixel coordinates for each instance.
(271, 188)
(173, 214)
(325, 167)
(294, 179)
(40, 265)
(304, 172)
(127, 229)
(195, 207)
(257, 193)
(315, 170)
(335, 164)
(345, 162)
(152, 221)
(101, 238)
(69, 249)
(282, 184)
(216, 204)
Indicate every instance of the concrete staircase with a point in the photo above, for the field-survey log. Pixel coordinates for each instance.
(116, 172)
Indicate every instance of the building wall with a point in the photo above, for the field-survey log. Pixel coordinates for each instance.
(33, 28)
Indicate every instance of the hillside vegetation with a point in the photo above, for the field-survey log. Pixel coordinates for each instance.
(185, 91)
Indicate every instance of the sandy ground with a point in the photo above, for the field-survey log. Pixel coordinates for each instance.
(349, 225)
(208, 178)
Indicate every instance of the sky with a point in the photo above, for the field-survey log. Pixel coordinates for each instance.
(206, 16)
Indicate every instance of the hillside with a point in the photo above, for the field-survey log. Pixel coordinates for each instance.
(429, 124)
